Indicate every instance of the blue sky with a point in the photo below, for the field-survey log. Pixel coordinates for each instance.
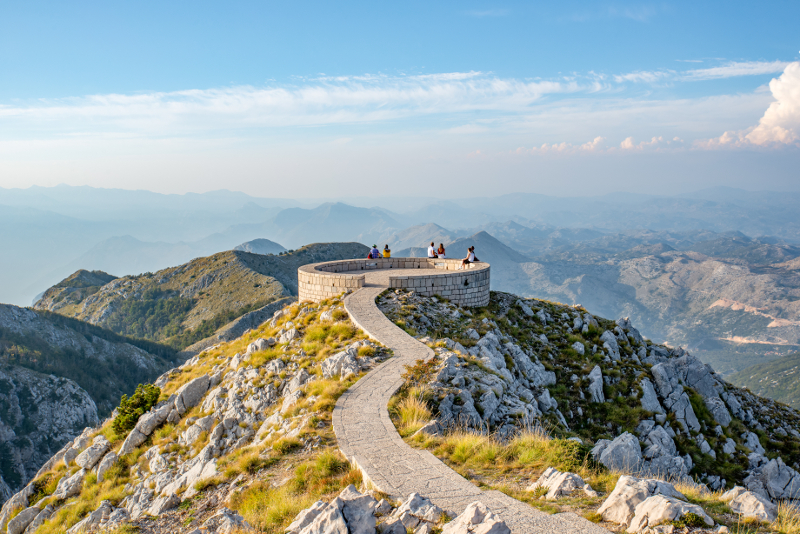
(560, 97)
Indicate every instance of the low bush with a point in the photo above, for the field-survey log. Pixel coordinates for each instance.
(131, 409)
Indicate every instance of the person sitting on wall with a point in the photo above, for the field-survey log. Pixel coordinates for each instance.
(471, 258)
(386, 252)
(440, 252)
(432, 251)
(374, 253)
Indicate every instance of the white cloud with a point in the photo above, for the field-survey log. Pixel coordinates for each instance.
(734, 69)
(595, 145)
(780, 124)
(643, 76)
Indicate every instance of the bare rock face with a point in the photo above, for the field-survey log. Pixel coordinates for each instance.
(749, 504)
(623, 453)
(477, 518)
(620, 506)
(660, 509)
(560, 484)
(39, 414)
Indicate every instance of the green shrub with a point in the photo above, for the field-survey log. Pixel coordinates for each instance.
(130, 409)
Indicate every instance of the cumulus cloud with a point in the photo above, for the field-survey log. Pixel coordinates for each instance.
(595, 145)
(780, 124)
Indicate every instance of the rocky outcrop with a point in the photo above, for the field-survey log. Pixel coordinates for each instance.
(660, 509)
(559, 484)
(353, 512)
(39, 414)
(750, 505)
(621, 504)
(623, 454)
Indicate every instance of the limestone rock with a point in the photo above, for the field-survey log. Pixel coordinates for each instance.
(476, 519)
(22, 520)
(226, 521)
(560, 483)
(357, 510)
(623, 453)
(164, 503)
(749, 504)
(620, 506)
(189, 395)
(660, 509)
(43, 516)
(343, 364)
(419, 507)
(578, 347)
(649, 397)
(596, 385)
(306, 517)
(108, 460)
(69, 486)
(92, 454)
(775, 480)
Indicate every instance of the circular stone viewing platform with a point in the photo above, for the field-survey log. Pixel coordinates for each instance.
(468, 286)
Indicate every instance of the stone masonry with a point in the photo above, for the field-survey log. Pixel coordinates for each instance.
(446, 278)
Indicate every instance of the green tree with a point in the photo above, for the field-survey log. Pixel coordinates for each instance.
(131, 409)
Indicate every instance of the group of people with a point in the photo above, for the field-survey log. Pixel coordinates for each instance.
(433, 252)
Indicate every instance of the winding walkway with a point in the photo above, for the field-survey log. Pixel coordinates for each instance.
(368, 438)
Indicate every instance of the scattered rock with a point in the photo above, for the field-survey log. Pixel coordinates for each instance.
(660, 509)
(749, 504)
(476, 519)
(620, 506)
(560, 484)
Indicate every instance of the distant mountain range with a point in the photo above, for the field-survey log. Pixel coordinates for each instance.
(52, 232)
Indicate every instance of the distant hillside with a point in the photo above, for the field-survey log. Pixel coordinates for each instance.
(103, 363)
(184, 304)
(778, 379)
(260, 246)
(58, 375)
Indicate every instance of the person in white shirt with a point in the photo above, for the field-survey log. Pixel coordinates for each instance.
(432, 251)
(470, 257)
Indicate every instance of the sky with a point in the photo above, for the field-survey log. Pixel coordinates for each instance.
(313, 99)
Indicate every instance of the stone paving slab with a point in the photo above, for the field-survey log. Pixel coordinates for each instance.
(368, 438)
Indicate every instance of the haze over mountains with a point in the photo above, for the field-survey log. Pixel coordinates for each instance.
(52, 232)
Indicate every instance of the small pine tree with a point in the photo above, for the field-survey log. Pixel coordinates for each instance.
(131, 409)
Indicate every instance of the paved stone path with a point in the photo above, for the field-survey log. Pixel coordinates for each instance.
(368, 438)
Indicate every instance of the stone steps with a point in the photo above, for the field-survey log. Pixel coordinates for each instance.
(368, 438)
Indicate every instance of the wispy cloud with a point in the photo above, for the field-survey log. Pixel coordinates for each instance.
(734, 69)
(478, 13)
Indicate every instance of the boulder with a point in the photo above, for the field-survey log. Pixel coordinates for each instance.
(108, 460)
(163, 503)
(774, 480)
(610, 344)
(431, 428)
(226, 521)
(420, 508)
(91, 455)
(476, 518)
(17, 501)
(729, 447)
(578, 347)
(325, 519)
(43, 516)
(596, 385)
(134, 439)
(306, 517)
(22, 520)
(752, 442)
(94, 519)
(189, 395)
(560, 483)
(624, 453)
(69, 486)
(343, 364)
(660, 509)
(289, 335)
(620, 506)
(749, 504)
(357, 510)
(649, 398)
(525, 308)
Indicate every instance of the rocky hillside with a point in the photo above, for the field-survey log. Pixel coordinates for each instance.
(243, 431)
(184, 304)
(57, 374)
(778, 379)
(38, 414)
(240, 438)
(643, 407)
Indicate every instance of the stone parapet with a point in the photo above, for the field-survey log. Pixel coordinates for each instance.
(427, 276)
